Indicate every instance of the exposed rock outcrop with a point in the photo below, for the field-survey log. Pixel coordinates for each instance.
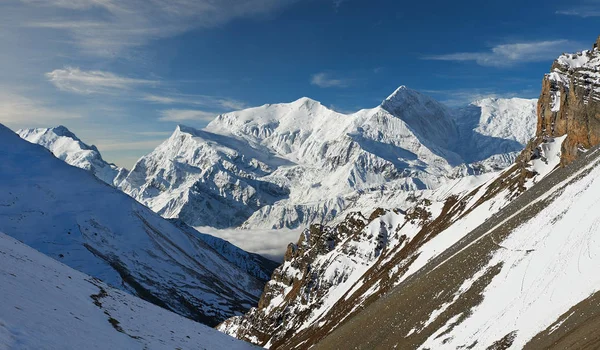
(570, 102)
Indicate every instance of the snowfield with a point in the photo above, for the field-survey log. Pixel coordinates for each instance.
(47, 305)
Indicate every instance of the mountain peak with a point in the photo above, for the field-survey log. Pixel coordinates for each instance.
(404, 97)
(307, 101)
(185, 129)
(400, 92)
(400, 89)
(62, 130)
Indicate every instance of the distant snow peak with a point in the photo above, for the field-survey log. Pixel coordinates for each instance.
(306, 101)
(67, 146)
(400, 90)
(293, 164)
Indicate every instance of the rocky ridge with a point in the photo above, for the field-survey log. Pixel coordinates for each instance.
(570, 102)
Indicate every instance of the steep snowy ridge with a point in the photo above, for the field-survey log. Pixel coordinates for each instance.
(68, 147)
(47, 305)
(293, 164)
(70, 215)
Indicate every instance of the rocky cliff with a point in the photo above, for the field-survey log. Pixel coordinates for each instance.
(570, 102)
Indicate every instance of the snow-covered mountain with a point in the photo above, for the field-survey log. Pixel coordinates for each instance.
(68, 147)
(293, 164)
(47, 305)
(493, 131)
(70, 215)
(495, 261)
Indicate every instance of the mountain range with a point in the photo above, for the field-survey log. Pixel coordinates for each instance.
(505, 261)
(292, 164)
(428, 227)
(72, 216)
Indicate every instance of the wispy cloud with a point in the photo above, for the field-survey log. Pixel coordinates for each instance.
(20, 111)
(106, 27)
(338, 3)
(180, 115)
(584, 9)
(342, 109)
(75, 80)
(462, 97)
(325, 80)
(197, 100)
(119, 145)
(580, 13)
(506, 55)
(268, 243)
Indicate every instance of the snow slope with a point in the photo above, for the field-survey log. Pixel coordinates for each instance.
(47, 305)
(291, 164)
(68, 147)
(526, 278)
(493, 131)
(70, 215)
(548, 264)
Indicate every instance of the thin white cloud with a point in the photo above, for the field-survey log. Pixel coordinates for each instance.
(20, 111)
(106, 27)
(179, 115)
(75, 80)
(268, 243)
(584, 9)
(211, 102)
(338, 3)
(506, 55)
(462, 97)
(325, 80)
(579, 13)
(119, 145)
(342, 110)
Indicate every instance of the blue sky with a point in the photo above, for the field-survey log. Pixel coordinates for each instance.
(122, 73)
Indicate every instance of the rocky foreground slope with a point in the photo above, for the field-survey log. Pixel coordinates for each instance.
(70, 215)
(508, 263)
(47, 305)
(292, 164)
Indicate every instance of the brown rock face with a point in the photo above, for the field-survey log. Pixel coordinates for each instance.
(570, 102)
